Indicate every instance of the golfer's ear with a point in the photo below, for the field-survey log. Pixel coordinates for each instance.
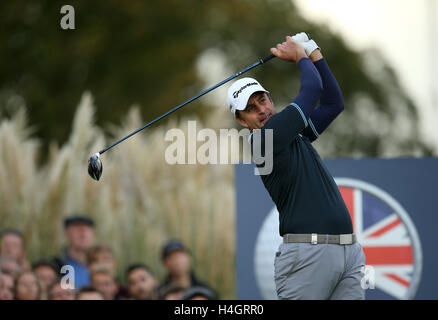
(240, 120)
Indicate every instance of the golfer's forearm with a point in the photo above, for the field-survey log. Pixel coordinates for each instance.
(311, 87)
(331, 94)
(332, 103)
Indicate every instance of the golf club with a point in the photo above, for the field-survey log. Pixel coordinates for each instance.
(95, 167)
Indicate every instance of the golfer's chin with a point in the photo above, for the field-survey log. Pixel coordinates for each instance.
(258, 125)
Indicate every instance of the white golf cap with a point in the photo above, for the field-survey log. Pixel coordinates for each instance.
(240, 92)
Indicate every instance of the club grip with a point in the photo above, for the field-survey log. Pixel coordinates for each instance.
(266, 59)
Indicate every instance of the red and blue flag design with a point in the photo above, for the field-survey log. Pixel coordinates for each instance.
(387, 239)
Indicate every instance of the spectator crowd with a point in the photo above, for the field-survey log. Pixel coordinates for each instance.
(86, 271)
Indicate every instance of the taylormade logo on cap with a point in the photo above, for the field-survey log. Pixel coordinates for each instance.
(236, 93)
(240, 92)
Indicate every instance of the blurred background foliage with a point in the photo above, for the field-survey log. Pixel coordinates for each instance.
(145, 52)
(155, 55)
(140, 203)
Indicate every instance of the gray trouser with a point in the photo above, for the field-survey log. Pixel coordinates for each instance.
(319, 272)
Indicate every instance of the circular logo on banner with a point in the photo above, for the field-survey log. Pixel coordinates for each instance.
(383, 228)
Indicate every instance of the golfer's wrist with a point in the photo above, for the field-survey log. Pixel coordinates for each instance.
(300, 56)
(316, 55)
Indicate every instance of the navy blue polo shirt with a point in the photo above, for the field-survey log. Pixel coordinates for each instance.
(306, 195)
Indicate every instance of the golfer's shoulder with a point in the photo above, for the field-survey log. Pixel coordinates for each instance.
(291, 116)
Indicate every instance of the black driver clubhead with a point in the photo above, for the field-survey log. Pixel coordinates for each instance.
(95, 167)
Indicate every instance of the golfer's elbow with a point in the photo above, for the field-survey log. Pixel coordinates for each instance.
(340, 107)
(340, 103)
(334, 100)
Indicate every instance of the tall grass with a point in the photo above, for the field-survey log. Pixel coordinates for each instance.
(139, 203)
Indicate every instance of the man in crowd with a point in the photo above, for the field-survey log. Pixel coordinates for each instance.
(27, 286)
(103, 280)
(46, 272)
(6, 286)
(199, 293)
(178, 262)
(102, 256)
(79, 233)
(10, 265)
(12, 245)
(89, 293)
(56, 292)
(142, 284)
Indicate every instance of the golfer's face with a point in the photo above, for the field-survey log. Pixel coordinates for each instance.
(257, 112)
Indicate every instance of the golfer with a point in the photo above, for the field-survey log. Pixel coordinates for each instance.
(319, 257)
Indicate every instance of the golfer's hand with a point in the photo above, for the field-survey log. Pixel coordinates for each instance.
(289, 50)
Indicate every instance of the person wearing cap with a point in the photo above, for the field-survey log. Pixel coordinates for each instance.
(79, 233)
(177, 261)
(319, 257)
(172, 292)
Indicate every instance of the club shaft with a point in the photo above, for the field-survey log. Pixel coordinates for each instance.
(261, 61)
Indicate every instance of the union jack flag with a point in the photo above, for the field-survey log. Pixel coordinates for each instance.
(386, 239)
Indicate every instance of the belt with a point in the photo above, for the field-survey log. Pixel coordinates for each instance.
(320, 238)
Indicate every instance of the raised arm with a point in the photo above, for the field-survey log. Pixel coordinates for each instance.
(331, 102)
(288, 123)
